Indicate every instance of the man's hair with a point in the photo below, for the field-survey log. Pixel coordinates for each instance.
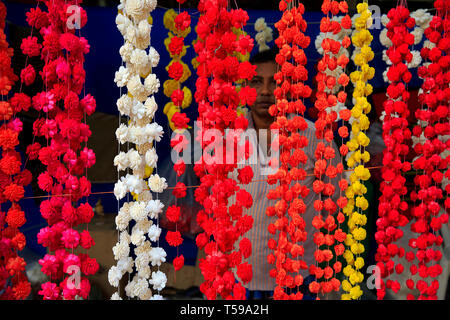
(265, 56)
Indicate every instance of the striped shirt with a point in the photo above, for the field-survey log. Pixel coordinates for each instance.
(259, 234)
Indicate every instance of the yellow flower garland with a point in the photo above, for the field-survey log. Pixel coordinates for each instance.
(357, 156)
(171, 85)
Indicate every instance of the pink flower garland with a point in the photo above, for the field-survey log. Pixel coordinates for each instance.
(218, 100)
(65, 157)
(12, 182)
(433, 124)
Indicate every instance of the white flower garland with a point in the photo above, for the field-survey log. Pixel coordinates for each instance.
(264, 34)
(139, 106)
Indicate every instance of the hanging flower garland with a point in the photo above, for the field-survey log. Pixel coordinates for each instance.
(14, 284)
(337, 34)
(422, 19)
(329, 241)
(64, 155)
(264, 34)
(358, 156)
(430, 144)
(218, 99)
(289, 207)
(179, 29)
(393, 209)
(139, 105)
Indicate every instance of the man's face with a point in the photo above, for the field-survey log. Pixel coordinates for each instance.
(265, 85)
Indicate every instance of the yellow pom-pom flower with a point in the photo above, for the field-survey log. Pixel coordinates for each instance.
(187, 98)
(170, 86)
(359, 263)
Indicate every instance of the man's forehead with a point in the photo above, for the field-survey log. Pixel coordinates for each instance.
(266, 69)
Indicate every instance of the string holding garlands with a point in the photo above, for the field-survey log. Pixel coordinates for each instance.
(357, 156)
(430, 143)
(224, 225)
(64, 155)
(139, 106)
(14, 284)
(393, 209)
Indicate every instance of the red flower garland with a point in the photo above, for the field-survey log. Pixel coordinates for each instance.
(433, 122)
(393, 210)
(12, 182)
(218, 100)
(65, 158)
(329, 242)
(291, 228)
(180, 121)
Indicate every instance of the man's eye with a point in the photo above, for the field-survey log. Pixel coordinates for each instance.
(256, 81)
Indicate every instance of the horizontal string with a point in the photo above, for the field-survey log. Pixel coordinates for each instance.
(170, 188)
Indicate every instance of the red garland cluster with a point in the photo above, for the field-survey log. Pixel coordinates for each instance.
(218, 100)
(180, 121)
(64, 155)
(393, 209)
(434, 116)
(289, 206)
(332, 236)
(14, 284)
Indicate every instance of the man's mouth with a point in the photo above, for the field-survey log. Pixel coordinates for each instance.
(265, 104)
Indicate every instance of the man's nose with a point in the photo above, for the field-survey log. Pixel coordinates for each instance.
(266, 89)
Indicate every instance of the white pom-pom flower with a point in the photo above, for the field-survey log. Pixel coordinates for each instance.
(125, 265)
(156, 183)
(114, 276)
(157, 256)
(416, 60)
(122, 76)
(122, 133)
(150, 107)
(153, 56)
(151, 158)
(158, 280)
(154, 131)
(154, 233)
(126, 50)
(151, 84)
(116, 296)
(139, 211)
(384, 39)
(120, 190)
(121, 250)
